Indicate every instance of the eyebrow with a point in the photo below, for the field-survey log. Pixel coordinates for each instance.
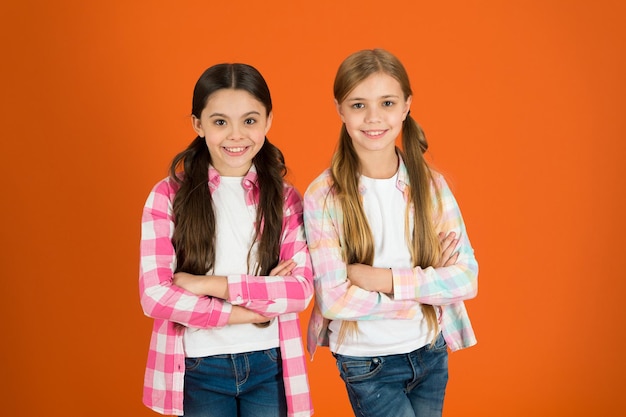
(244, 115)
(381, 97)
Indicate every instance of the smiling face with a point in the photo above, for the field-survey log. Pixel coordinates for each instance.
(234, 124)
(373, 113)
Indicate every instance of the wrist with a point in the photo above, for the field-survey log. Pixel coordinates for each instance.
(389, 281)
(218, 286)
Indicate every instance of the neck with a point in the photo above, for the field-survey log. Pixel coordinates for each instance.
(379, 165)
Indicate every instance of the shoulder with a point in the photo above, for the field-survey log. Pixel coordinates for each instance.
(161, 197)
(442, 192)
(167, 186)
(439, 180)
(291, 193)
(320, 185)
(441, 183)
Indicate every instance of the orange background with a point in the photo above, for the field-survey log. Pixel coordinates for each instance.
(523, 103)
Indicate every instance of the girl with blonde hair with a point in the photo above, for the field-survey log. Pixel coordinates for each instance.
(392, 261)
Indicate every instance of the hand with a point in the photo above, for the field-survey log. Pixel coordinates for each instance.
(241, 315)
(448, 245)
(283, 268)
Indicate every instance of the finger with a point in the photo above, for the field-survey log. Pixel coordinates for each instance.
(448, 238)
(446, 243)
(452, 260)
(283, 268)
(449, 249)
(276, 271)
(443, 236)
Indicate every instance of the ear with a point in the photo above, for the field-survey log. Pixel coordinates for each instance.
(268, 124)
(407, 107)
(339, 111)
(197, 126)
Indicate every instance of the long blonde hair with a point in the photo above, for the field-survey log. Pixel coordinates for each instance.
(358, 244)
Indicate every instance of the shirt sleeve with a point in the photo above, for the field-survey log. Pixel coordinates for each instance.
(446, 285)
(159, 297)
(335, 297)
(275, 295)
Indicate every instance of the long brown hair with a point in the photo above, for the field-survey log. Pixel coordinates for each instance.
(358, 242)
(194, 216)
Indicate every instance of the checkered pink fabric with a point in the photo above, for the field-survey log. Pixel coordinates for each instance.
(445, 288)
(281, 297)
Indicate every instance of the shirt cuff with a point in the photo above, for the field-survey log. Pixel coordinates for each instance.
(238, 292)
(403, 284)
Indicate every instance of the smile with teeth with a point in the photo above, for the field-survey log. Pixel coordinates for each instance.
(374, 133)
(235, 150)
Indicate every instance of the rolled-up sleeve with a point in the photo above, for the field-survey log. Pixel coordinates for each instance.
(159, 298)
(445, 285)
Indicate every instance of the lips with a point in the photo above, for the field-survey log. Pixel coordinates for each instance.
(235, 150)
(374, 134)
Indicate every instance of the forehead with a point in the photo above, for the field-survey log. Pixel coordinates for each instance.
(232, 101)
(376, 86)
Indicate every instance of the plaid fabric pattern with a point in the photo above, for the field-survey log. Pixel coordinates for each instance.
(281, 297)
(335, 298)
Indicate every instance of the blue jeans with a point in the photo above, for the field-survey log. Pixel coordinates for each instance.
(243, 384)
(406, 385)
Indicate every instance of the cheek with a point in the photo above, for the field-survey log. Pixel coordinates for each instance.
(350, 122)
(213, 138)
(399, 119)
(258, 135)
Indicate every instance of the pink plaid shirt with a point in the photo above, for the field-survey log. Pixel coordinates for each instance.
(168, 304)
(445, 287)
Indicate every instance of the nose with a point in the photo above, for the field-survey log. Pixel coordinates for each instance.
(372, 114)
(236, 132)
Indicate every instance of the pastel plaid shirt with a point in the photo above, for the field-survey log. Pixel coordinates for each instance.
(168, 304)
(335, 298)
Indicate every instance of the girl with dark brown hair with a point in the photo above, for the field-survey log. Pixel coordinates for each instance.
(225, 268)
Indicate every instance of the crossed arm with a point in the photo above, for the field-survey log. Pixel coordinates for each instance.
(361, 292)
(217, 286)
(371, 278)
(214, 301)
